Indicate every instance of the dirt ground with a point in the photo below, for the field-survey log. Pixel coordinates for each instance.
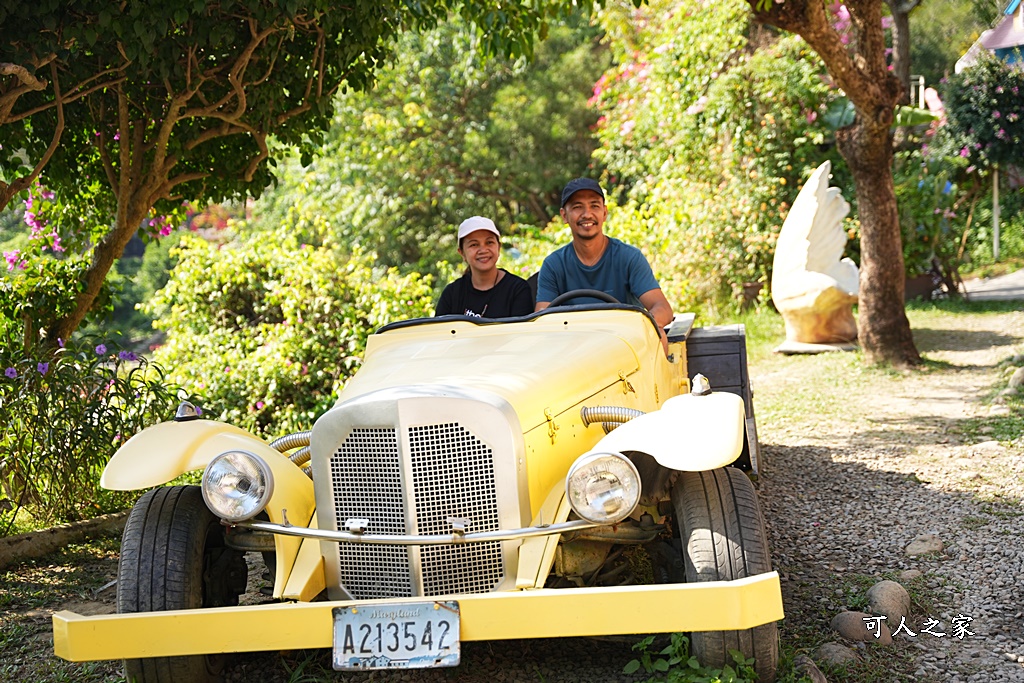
(859, 462)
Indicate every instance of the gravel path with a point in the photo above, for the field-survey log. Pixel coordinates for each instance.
(845, 495)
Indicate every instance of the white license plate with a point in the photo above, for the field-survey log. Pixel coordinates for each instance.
(397, 636)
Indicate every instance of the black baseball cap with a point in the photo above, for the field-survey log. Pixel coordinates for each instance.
(577, 184)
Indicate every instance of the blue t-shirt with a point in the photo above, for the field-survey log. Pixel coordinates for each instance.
(622, 272)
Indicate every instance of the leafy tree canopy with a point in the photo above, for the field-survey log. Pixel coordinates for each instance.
(445, 135)
(168, 100)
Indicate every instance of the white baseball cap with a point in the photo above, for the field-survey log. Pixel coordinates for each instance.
(477, 223)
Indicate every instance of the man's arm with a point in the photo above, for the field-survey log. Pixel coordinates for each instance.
(658, 306)
(547, 286)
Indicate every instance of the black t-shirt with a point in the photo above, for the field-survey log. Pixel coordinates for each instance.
(510, 297)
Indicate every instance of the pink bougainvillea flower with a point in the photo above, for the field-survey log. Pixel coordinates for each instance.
(12, 258)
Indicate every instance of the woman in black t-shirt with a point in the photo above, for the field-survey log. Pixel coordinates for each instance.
(484, 291)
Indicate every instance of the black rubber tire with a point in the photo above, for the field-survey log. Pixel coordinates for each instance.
(173, 557)
(723, 538)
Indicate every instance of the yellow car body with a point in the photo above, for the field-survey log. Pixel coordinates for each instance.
(514, 390)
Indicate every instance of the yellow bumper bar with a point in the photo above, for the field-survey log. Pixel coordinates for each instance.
(544, 613)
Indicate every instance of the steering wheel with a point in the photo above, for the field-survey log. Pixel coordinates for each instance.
(574, 293)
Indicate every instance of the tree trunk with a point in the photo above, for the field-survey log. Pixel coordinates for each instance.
(882, 325)
(859, 69)
(901, 46)
(130, 214)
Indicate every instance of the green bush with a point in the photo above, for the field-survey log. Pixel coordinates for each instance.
(928, 200)
(268, 330)
(711, 139)
(62, 416)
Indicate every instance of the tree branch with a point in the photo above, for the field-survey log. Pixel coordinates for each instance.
(7, 191)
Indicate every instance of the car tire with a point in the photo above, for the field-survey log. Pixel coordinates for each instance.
(723, 538)
(173, 557)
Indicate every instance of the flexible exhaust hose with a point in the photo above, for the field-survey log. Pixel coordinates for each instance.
(290, 441)
(301, 456)
(612, 414)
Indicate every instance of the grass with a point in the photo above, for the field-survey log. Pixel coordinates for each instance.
(30, 592)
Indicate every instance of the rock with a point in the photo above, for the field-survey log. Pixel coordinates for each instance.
(836, 654)
(861, 627)
(803, 665)
(1017, 379)
(890, 599)
(990, 447)
(910, 574)
(812, 286)
(999, 410)
(924, 544)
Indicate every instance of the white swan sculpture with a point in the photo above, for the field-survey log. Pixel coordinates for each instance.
(813, 287)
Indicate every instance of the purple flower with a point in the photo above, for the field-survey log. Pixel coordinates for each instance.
(101, 349)
(199, 411)
(127, 355)
(60, 342)
(11, 373)
(259, 405)
(42, 368)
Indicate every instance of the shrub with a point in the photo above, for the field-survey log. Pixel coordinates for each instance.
(928, 206)
(62, 416)
(712, 140)
(268, 330)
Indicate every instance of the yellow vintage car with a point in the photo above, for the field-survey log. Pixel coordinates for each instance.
(476, 480)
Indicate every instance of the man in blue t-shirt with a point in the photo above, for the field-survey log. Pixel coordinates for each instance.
(595, 261)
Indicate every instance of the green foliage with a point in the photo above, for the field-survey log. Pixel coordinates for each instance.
(445, 135)
(62, 416)
(667, 56)
(133, 281)
(927, 200)
(159, 102)
(985, 113)
(941, 32)
(674, 664)
(289, 57)
(268, 330)
(711, 141)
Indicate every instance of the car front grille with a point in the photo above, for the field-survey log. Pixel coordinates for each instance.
(366, 474)
(446, 472)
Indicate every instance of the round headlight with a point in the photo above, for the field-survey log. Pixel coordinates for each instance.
(603, 487)
(237, 485)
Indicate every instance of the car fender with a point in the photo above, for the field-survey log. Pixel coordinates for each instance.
(165, 451)
(690, 433)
